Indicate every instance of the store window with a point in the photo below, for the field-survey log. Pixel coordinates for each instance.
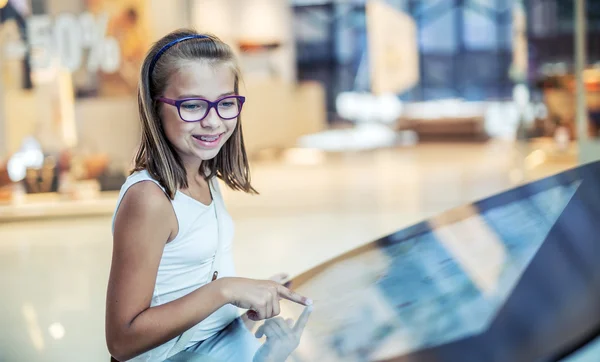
(465, 47)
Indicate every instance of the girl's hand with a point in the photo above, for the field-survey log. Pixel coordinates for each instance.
(260, 297)
(282, 278)
(283, 337)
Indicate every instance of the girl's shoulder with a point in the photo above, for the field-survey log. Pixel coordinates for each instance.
(145, 193)
(142, 193)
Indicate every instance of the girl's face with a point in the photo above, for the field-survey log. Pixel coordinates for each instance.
(195, 141)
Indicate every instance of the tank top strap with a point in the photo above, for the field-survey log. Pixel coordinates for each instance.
(186, 210)
(133, 179)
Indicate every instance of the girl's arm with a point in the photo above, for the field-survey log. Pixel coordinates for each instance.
(144, 222)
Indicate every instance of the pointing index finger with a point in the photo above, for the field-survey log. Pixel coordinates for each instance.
(285, 293)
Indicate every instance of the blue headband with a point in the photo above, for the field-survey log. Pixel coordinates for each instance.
(166, 47)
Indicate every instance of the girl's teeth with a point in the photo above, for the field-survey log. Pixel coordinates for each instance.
(208, 139)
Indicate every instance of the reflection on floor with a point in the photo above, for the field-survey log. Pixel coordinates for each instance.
(312, 207)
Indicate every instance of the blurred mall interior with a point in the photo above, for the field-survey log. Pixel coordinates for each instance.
(362, 117)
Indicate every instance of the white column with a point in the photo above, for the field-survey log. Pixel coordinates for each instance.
(580, 62)
(3, 135)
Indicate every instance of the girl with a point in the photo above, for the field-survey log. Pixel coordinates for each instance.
(172, 283)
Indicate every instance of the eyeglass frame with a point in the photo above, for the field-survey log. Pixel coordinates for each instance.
(177, 103)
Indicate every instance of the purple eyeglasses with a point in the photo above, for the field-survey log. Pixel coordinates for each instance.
(196, 109)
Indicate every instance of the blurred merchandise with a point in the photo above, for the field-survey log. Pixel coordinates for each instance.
(43, 179)
(4, 177)
(111, 180)
(559, 96)
(95, 165)
(29, 155)
(5, 194)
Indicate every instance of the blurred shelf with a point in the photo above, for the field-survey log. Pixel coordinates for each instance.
(53, 205)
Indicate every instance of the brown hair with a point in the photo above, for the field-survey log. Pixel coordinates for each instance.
(155, 153)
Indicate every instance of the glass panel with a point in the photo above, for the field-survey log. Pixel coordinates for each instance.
(543, 18)
(440, 35)
(480, 68)
(311, 26)
(476, 93)
(413, 95)
(487, 3)
(480, 31)
(438, 70)
(506, 33)
(502, 5)
(431, 94)
(424, 6)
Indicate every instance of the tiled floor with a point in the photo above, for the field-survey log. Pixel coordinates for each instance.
(53, 273)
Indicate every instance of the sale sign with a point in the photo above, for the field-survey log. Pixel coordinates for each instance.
(76, 41)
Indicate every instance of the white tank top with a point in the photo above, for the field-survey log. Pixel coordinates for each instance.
(187, 260)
